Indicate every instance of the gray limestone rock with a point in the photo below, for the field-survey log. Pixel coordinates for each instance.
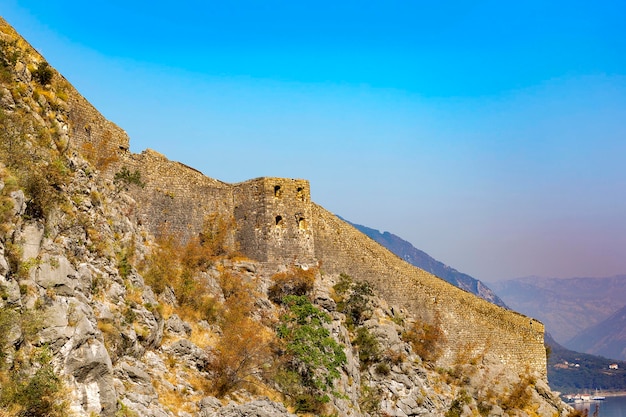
(246, 266)
(4, 265)
(56, 273)
(178, 327)
(90, 365)
(6, 99)
(135, 374)
(19, 202)
(326, 303)
(149, 327)
(191, 354)
(10, 291)
(23, 74)
(85, 279)
(211, 407)
(31, 237)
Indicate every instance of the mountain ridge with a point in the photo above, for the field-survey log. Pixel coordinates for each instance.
(606, 338)
(570, 307)
(421, 259)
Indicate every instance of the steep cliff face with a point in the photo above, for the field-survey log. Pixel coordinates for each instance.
(133, 285)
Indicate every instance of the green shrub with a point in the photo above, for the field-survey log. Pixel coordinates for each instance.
(354, 300)
(382, 368)
(9, 55)
(7, 320)
(456, 408)
(342, 287)
(311, 357)
(43, 74)
(34, 395)
(370, 398)
(124, 178)
(369, 348)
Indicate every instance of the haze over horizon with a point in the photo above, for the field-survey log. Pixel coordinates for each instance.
(490, 135)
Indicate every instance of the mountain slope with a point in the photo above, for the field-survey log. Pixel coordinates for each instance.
(100, 315)
(414, 256)
(607, 338)
(570, 371)
(565, 306)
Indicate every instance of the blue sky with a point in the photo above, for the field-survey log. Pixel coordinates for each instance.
(490, 134)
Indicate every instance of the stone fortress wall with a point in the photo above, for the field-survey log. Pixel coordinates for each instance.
(276, 223)
(175, 198)
(272, 216)
(472, 326)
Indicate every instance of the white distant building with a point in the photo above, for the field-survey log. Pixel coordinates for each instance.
(613, 366)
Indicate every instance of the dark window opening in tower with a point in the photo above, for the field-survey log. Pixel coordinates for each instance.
(300, 193)
(279, 220)
(277, 191)
(301, 223)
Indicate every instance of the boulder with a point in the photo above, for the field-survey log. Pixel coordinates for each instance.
(56, 273)
(211, 407)
(189, 353)
(175, 326)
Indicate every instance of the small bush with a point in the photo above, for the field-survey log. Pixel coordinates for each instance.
(172, 264)
(7, 320)
(216, 235)
(369, 401)
(101, 156)
(344, 284)
(369, 348)
(31, 395)
(382, 368)
(243, 355)
(123, 179)
(520, 395)
(354, 300)
(295, 281)
(43, 74)
(426, 339)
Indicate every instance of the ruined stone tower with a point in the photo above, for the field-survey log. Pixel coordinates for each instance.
(273, 217)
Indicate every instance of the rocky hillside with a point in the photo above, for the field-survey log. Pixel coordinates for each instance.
(99, 315)
(421, 259)
(567, 307)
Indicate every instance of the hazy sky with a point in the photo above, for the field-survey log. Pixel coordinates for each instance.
(490, 134)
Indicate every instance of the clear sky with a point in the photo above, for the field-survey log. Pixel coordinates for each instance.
(490, 134)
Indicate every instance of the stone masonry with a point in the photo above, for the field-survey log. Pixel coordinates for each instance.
(276, 223)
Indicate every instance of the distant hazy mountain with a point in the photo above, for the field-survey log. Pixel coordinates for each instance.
(607, 338)
(568, 307)
(414, 256)
(570, 371)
